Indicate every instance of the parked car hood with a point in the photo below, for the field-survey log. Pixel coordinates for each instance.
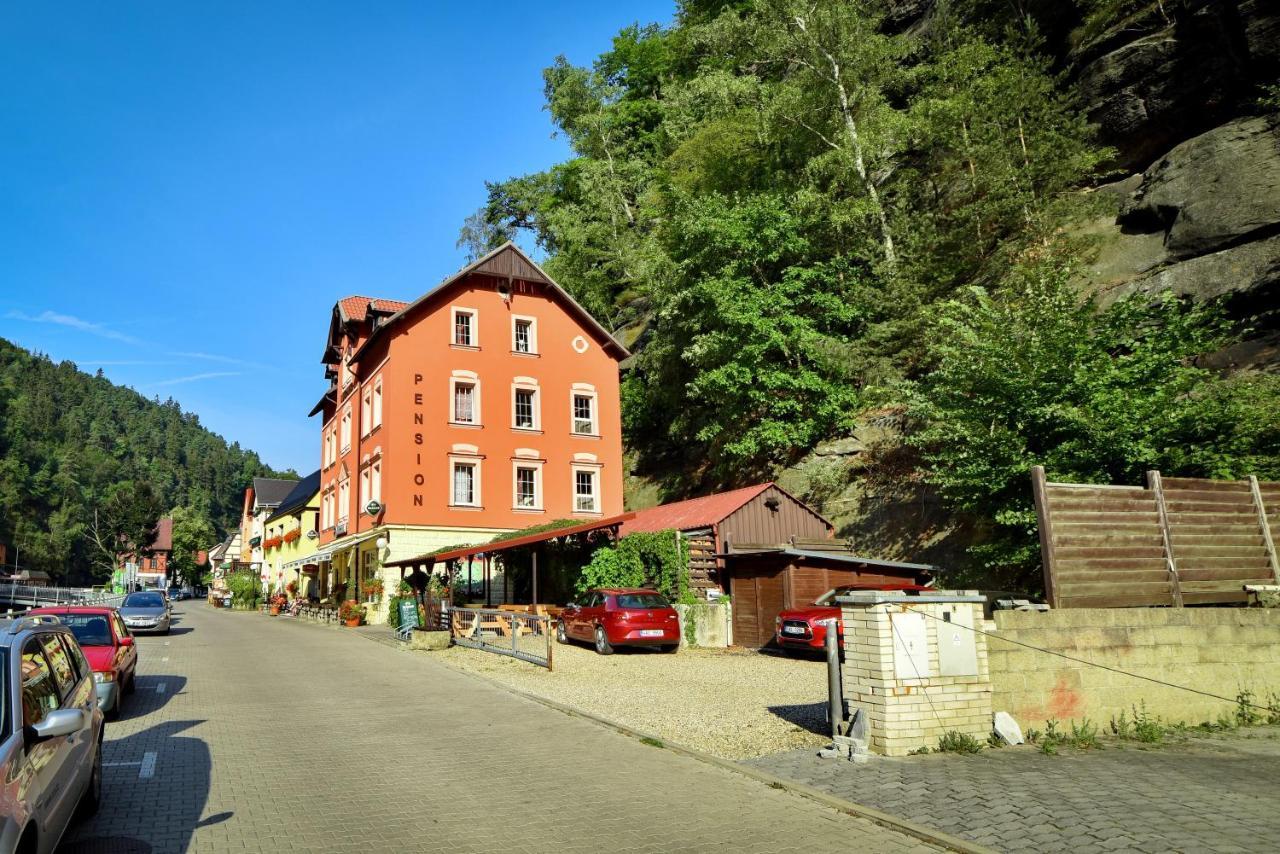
(811, 612)
(101, 658)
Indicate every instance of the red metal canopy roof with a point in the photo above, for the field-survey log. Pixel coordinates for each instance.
(513, 543)
(694, 513)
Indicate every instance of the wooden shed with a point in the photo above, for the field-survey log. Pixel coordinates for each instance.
(766, 580)
(713, 524)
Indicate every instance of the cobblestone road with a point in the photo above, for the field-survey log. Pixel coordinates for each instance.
(1204, 795)
(255, 734)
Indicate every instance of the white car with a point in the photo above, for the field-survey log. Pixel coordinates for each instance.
(50, 735)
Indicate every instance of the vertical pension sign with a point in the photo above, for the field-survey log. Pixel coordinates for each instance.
(408, 614)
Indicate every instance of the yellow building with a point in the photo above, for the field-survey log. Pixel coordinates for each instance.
(290, 540)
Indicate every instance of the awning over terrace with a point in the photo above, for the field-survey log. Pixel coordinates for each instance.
(315, 557)
(426, 561)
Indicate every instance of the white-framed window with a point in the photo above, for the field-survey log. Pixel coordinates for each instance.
(375, 482)
(344, 440)
(344, 500)
(526, 404)
(465, 403)
(326, 510)
(464, 482)
(527, 484)
(583, 405)
(364, 487)
(366, 412)
(466, 332)
(377, 403)
(586, 489)
(524, 334)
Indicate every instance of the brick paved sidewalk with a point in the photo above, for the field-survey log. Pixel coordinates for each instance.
(258, 734)
(1203, 795)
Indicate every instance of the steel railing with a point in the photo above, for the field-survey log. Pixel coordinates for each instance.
(521, 635)
(26, 596)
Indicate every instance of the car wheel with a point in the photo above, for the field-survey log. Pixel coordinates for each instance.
(671, 648)
(602, 642)
(131, 685)
(561, 637)
(92, 796)
(113, 713)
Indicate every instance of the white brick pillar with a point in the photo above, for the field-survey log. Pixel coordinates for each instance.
(915, 667)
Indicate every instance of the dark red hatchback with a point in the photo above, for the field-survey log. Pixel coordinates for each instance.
(621, 616)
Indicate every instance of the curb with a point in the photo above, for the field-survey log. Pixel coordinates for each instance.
(884, 819)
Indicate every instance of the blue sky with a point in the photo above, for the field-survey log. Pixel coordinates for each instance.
(186, 189)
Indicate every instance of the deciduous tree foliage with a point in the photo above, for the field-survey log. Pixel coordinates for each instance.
(770, 196)
(72, 443)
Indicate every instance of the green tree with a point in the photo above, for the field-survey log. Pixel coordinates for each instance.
(192, 532)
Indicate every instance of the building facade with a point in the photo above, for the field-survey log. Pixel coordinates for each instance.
(487, 405)
(291, 535)
(151, 567)
(261, 499)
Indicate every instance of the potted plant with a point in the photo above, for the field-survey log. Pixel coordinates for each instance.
(373, 589)
(351, 612)
(277, 602)
(292, 589)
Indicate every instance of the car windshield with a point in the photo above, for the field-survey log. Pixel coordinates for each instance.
(642, 600)
(143, 600)
(89, 629)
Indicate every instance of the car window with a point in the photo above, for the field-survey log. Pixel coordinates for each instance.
(39, 693)
(60, 660)
(89, 629)
(595, 600)
(77, 655)
(642, 600)
(143, 600)
(122, 631)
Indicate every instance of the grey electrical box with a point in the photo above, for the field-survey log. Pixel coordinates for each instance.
(957, 652)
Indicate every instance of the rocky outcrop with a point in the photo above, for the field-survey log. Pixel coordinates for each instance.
(1155, 79)
(1220, 189)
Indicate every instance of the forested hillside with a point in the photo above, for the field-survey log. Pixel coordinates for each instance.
(855, 242)
(72, 443)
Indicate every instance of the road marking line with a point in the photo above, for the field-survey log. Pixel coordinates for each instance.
(166, 658)
(148, 768)
(160, 688)
(166, 643)
(118, 764)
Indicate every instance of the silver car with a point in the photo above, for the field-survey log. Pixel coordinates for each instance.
(50, 735)
(145, 611)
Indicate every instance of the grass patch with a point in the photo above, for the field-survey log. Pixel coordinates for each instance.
(652, 742)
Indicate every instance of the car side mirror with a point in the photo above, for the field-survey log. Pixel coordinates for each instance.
(126, 641)
(58, 723)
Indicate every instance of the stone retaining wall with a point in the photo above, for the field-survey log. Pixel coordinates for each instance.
(1218, 650)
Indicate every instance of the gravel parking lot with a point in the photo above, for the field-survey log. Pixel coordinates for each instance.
(734, 704)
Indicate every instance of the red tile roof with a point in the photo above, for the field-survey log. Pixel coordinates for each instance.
(357, 307)
(695, 513)
(164, 536)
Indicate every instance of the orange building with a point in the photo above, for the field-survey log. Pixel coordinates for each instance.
(487, 405)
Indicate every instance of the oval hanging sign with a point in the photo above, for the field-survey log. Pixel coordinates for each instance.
(373, 508)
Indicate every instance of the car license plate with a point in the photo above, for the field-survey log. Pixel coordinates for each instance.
(651, 633)
(793, 630)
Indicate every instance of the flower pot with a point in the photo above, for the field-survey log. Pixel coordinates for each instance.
(352, 623)
(275, 610)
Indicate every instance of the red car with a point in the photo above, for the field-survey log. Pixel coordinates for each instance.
(804, 629)
(621, 616)
(108, 646)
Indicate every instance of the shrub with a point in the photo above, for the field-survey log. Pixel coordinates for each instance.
(958, 742)
(350, 610)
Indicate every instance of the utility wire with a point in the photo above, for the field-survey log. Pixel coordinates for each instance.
(1235, 700)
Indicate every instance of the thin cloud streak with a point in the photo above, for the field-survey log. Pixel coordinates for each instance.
(212, 375)
(113, 363)
(73, 322)
(213, 357)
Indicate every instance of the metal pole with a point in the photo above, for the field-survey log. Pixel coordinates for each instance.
(535, 575)
(835, 694)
